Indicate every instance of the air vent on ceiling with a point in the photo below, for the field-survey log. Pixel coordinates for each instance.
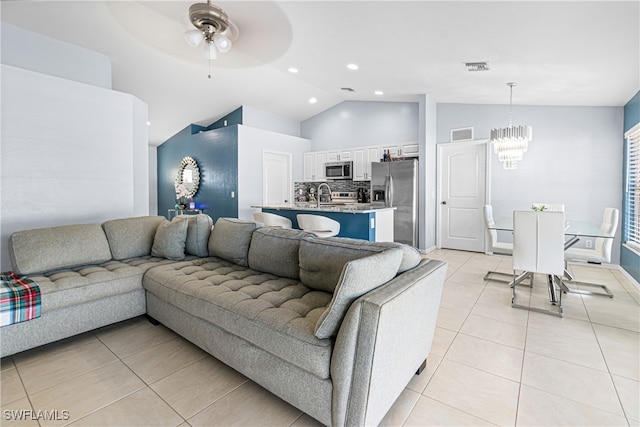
(462, 134)
(477, 66)
(348, 89)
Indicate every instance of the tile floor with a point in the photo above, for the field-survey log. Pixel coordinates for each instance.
(490, 365)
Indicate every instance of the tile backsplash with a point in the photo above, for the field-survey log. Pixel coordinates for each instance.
(340, 185)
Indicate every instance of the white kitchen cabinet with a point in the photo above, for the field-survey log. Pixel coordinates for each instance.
(410, 149)
(362, 158)
(314, 166)
(339, 155)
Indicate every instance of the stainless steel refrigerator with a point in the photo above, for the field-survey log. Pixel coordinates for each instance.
(395, 184)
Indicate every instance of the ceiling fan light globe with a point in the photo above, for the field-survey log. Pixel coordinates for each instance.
(222, 42)
(210, 51)
(193, 37)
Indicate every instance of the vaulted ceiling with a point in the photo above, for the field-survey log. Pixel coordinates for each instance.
(581, 53)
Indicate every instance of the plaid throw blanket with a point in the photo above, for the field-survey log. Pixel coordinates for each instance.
(19, 299)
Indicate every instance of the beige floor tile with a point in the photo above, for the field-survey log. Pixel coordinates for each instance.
(483, 262)
(582, 350)
(461, 296)
(49, 350)
(578, 383)
(419, 382)
(629, 392)
(607, 311)
(164, 359)
(248, 405)
(469, 275)
(11, 388)
(486, 396)
(6, 363)
(539, 408)
(400, 409)
(621, 349)
(18, 413)
(442, 339)
(63, 365)
(141, 408)
(195, 387)
(495, 330)
(82, 395)
(566, 325)
(495, 303)
(133, 336)
(430, 412)
(487, 356)
(451, 319)
(306, 421)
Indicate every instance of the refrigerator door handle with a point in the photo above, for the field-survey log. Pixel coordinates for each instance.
(389, 192)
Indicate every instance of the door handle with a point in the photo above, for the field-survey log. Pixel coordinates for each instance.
(444, 202)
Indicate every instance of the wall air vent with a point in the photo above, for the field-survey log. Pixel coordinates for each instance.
(347, 89)
(462, 134)
(476, 66)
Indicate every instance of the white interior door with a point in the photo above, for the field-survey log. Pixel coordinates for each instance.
(277, 187)
(462, 177)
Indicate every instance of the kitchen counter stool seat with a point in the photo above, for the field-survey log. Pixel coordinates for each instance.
(272, 220)
(319, 225)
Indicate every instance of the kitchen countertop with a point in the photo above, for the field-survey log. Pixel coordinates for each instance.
(348, 208)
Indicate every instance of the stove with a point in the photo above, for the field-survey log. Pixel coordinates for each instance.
(344, 197)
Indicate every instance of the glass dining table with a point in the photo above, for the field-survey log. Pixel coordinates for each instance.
(574, 231)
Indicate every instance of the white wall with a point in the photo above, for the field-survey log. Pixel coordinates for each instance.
(259, 119)
(575, 157)
(36, 52)
(360, 123)
(71, 153)
(251, 144)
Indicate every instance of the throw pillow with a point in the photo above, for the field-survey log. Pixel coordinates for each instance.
(358, 277)
(170, 239)
(275, 250)
(198, 232)
(230, 240)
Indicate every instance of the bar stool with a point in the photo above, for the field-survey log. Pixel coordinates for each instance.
(319, 225)
(272, 220)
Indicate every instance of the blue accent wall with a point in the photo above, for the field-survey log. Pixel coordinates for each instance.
(233, 118)
(629, 260)
(216, 152)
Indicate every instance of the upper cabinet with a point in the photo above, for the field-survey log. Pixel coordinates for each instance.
(361, 156)
(314, 165)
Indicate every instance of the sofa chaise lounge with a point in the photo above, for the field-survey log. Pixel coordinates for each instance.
(336, 327)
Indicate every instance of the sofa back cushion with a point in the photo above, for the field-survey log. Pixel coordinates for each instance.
(170, 238)
(230, 240)
(46, 249)
(322, 259)
(275, 250)
(358, 277)
(131, 237)
(198, 233)
(410, 256)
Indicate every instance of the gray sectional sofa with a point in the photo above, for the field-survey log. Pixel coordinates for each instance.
(336, 327)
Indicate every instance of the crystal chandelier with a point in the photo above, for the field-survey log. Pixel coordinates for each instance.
(212, 26)
(511, 143)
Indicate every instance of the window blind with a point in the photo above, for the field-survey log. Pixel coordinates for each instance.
(632, 190)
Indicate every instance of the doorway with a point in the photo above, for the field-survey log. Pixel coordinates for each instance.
(462, 192)
(277, 187)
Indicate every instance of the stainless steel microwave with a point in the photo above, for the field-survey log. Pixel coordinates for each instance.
(338, 170)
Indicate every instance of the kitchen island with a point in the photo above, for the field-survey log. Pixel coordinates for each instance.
(357, 220)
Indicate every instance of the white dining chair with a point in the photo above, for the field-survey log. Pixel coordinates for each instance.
(538, 247)
(272, 220)
(319, 225)
(601, 253)
(493, 245)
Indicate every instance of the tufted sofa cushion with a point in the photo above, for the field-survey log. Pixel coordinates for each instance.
(37, 251)
(131, 237)
(277, 314)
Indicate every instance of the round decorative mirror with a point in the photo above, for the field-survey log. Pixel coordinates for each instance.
(188, 178)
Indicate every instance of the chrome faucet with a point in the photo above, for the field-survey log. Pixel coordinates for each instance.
(320, 193)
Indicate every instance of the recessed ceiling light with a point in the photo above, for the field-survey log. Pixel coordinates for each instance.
(352, 67)
(378, 92)
(148, 123)
(292, 70)
(312, 100)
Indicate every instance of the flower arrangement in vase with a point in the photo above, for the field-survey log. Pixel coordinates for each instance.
(182, 193)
